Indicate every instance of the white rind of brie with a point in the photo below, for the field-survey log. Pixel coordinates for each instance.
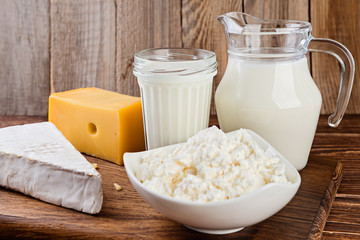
(37, 160)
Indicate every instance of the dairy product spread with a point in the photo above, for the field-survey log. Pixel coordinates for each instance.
(210, 166)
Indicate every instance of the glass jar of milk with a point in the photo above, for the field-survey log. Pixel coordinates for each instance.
(175, 87)
(267, 86)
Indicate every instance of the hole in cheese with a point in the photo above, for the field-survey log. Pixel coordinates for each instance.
(92, 128)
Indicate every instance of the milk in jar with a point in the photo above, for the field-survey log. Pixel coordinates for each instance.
(175, 86)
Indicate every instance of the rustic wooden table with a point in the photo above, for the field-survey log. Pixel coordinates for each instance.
(316, 209)
(342, 143)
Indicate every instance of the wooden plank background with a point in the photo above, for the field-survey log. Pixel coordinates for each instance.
(56, 45)
(82, 44)
(24, 57)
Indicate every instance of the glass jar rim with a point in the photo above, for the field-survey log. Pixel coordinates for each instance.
(174, 54)
(175, 61)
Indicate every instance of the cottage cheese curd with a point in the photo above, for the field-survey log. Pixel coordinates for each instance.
(211, 166)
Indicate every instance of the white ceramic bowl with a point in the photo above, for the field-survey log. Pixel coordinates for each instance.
(225, 216)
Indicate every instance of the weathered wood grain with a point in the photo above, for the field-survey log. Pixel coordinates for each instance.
(10, 120)
(142, 25)
(278, 9)
(82, 44)
(343, 227)
(24, 57)
(126, 215)
(340, 235)
(200, 29)
(346, 209)
(321, 217)
(343, 220)
(338, 20)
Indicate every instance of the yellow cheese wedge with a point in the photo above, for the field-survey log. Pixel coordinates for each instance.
(98, 122)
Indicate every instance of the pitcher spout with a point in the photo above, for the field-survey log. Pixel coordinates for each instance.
(236, 22)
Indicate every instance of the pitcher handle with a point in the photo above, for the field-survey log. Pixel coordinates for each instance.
(347, 64)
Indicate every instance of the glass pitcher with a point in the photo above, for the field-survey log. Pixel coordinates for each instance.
(267, 86)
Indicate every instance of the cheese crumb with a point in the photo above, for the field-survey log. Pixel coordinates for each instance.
(117, 187)
(94, 165)
(211, 166)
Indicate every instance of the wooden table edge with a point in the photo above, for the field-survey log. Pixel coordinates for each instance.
(323, 211)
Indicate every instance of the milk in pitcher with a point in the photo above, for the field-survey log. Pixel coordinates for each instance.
(278, 100)
(267, 85)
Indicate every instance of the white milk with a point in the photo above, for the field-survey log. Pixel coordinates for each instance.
(176, 110)
(278, 100)
(175, 86)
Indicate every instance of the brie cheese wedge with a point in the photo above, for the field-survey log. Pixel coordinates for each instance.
(36, 159)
